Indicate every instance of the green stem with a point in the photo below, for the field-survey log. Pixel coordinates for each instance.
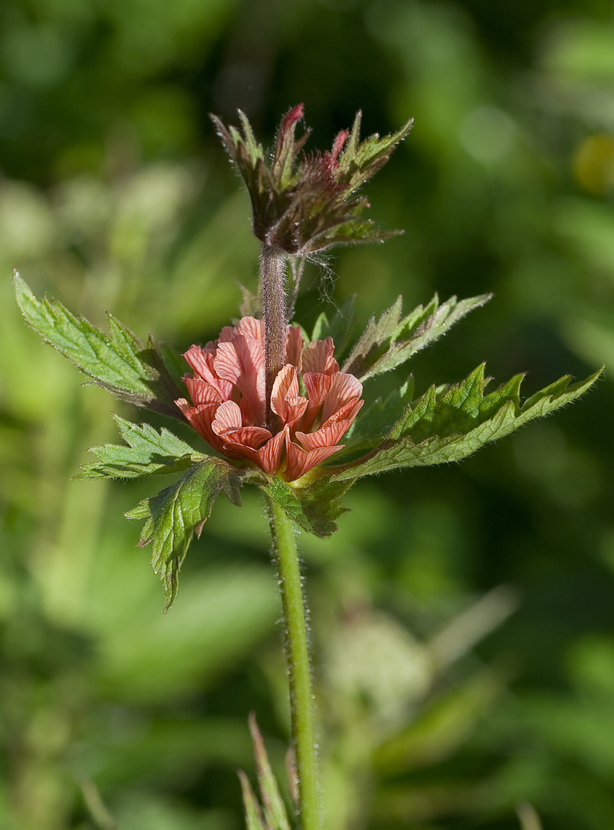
(297, 654)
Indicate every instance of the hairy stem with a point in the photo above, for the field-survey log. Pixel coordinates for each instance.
(297, 653)
(273, 298)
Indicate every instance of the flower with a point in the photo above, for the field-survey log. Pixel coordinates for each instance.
(303, 203)
(229, 410)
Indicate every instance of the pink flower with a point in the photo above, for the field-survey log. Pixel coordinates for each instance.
(228, 406)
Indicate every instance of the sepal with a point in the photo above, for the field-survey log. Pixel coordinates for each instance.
(119, 362)
(311, 504)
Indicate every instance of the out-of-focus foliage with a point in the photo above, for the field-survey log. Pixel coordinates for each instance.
(462, 616)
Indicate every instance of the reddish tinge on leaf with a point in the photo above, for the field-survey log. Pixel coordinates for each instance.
(228, 406)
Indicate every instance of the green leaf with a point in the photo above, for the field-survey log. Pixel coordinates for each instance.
(274, 810)
(449, 423)
(119, 362)
(253, 815)
(339, 328)
(177, 512)
(359, 162)
(314, 506)
(147, 452)
(392, 340)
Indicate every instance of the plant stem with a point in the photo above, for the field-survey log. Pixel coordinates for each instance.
(297, 654)
(273, 298)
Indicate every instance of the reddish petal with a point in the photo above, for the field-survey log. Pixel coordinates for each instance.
(346, 413)
(268, 457)
(294, 346)
(343, 389)
(253, 437)
(241, 362)
(299, 461)
(200, 418)
(202, 392)
(247, 326)
(318, 357)
(250, 327)
(317, 386)
(201, 362)
(285, 399)
(326, 436)
(227, 418)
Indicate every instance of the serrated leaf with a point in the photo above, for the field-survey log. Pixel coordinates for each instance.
(118, 361)
(177, 512)
(391, 340)
(360, 161)
(146, 452)
(313, 507)
(450, 423)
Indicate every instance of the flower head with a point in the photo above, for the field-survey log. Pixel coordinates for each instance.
(229, 409)
(305, 203)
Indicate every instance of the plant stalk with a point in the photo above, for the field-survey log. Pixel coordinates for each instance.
(297, 654)
(273, 299)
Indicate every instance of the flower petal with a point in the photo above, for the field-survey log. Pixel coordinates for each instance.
(227, 418)
(318, 357)
(241, 361)
(300, 461)
(346, 413)
(201, 362)
(318, 386)
(294, 346)
(344, 389)
(327, 436)
(200, 418)
(285, 399)
(268, 457)
(202, 392)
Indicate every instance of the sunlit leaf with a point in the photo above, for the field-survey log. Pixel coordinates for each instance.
(177, 512)
(393, 339)
(449, 423)
(146, 451)
(118, 361)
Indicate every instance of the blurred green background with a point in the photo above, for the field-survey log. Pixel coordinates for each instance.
(462, 618)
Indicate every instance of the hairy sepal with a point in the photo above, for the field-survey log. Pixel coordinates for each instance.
(451, 422)
(119, 362)
(175, 514)
(393, 339)
(314, 506)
